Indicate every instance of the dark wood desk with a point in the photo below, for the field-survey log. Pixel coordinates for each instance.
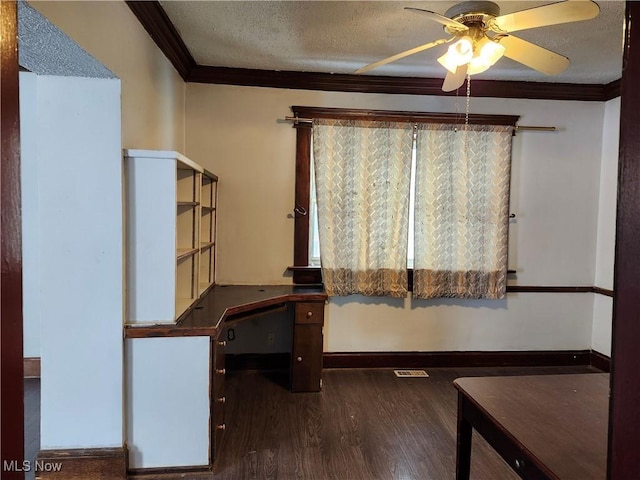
(543, 426)
(224, 306)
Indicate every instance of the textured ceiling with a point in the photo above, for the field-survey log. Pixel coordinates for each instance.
(45, 50)
(341, 36)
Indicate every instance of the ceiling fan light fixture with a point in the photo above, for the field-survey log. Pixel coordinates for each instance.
(477, 65)
(488, 53)
(482, 36)
(458, 54)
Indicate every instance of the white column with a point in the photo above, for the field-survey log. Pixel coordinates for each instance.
(30, 214)
(81, 262)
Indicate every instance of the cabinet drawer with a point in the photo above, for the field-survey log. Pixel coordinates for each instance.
(310, 312)
(219, 426)
(220, 349)
(219, 372)
(218, 398)
(306, 358)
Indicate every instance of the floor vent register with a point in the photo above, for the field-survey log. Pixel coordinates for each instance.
(410, 373)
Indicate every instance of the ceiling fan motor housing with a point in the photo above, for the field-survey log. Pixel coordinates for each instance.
(473, 12)
(483, 36)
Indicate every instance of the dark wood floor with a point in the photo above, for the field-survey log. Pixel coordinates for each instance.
(364, 425)
(31, 421)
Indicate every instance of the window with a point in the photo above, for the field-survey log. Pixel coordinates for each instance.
(306, 246)
(314, 238)
(314, 243)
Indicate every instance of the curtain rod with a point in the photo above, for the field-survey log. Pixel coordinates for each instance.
(518, 128)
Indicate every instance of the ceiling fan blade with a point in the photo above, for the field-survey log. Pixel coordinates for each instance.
(553, 14)
(400, 55)
(447, 22)
(533, 56)
(454, 81)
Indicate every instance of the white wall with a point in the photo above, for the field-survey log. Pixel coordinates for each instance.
(602, 324)
(152, 91)
(607, 195)
(523, 321)
(30, 214)
(602, 307)
(80, 251)
(167, 401)
(238, 133)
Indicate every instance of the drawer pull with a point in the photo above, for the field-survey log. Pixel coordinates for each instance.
(221, 371)
(309, 314)
(222, 400)
(222, 343)
(221, 427)
(519, 464)
(299, 359)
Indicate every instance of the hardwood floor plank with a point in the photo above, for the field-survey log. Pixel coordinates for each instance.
(31, 421)
(365, 424)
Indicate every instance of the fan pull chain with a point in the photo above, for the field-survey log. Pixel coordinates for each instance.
(466, 113)
(465, 144)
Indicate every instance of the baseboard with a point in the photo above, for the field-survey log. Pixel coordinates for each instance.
(534, 358)
(601, 361)
(456, 359)
(257, 361)
(32, 367)
(82, 464)
(171, 473)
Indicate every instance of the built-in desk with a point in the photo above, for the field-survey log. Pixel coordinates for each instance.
(198, 337)
(551, 427)
(223, 306)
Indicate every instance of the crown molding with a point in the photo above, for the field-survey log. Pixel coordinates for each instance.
(157, 23)
(155, 20)
(611, 90)
(393, 85)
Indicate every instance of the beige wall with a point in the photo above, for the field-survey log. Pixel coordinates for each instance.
(238, 133)
(153, 94)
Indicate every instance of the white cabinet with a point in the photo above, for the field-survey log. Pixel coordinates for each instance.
(167, 401)
(170, 234)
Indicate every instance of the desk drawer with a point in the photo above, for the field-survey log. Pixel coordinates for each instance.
(219, 423)
(219, 372)
(218, 398)
(306, 358)
(311, 312)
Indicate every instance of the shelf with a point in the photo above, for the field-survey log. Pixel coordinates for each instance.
(182, 253)
(187, 185)
(182, 304)
(206, 245)
(173, 246)
(203, 287)
(211, 177)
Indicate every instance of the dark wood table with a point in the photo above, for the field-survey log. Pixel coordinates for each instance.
(543, 426)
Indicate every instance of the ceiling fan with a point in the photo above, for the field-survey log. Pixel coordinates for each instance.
(482, 36)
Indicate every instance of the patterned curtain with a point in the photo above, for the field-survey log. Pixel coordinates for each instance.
(461, 211)
(363, 175)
